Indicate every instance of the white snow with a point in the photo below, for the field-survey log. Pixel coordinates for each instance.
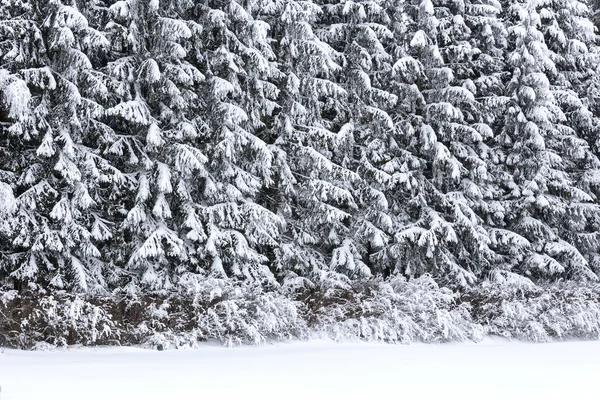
(314, 370)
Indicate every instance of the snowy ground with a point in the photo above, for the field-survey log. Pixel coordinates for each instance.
(315, 370)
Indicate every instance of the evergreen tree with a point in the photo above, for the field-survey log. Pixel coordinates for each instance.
(55, 172)
(540, 194)
(315, 140)
(570, 36)
(239, 98)
(360, 32)
(440, 231)
(149, 134)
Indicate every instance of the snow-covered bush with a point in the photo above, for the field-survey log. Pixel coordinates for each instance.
(537, 312)
(396, 310)
(211, 309)
(250, 315)
(200, 310)
(31, 320)
(393, 310)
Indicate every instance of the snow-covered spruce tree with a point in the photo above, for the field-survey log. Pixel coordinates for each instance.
(150, 133)
(360, 32)
(243, 227)
(316, 179)
(191, 97)
(595, 11)
(482, 63)
(542, 157)
(439, 230)
(8, 207)
(488, 73)
(570, 35)
(593, 92)
(228, 228)
(52, 91)
(12, 107)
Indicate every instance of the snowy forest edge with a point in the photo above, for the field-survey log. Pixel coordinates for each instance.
(394, 311)
(176, 171)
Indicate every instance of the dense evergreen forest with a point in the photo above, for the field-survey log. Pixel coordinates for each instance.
(247, 170)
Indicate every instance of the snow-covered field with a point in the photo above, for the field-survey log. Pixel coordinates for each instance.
(314, 370)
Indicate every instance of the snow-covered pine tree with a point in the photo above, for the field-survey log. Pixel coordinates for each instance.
(570, 35)
(541, 155)
(312, 131)
(150, 133)
(241, 233)
(51, 92)
(8, 207)
(15, 115)
(360, 32)
(440, 229)
(486, 77)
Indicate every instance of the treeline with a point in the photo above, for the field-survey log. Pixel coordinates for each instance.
(246, 170)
